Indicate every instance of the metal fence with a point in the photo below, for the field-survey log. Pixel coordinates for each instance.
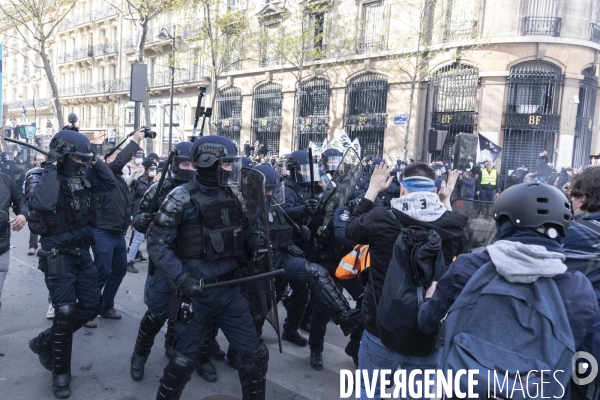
(266, 116)
(585, 119)
(366, 116)
(454, 97)
(542, 18)
(532, 117)
(229, 113)
(312, 123)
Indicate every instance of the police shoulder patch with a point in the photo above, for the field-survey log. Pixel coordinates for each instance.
(345, 216)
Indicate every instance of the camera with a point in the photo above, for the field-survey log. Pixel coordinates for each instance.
(149, 134)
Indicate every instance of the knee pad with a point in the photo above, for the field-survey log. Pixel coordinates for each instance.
(65, 316)
(256, 363)
(181, 366)
(151, 322)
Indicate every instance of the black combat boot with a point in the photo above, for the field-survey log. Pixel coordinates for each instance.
(175, 376)
(296, 309)
(205, 367)
(235, 360)
(149, 328)
(60, 385)
(316, 360)
(43, 349)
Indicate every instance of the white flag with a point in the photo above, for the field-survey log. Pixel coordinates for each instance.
(356, 145)
(324, 145)
(341, 141)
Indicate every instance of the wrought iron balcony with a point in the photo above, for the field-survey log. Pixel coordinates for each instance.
(75, 21)
(269, 61)
(65, 57)
(25, 72)
(595, 37)
(104, 12)
(131, 42)
(371, 45)
(105, 48)
(43, 102)
(466, 32)
(82, 52)
(189, 30)
(545, 26)
(152, 36)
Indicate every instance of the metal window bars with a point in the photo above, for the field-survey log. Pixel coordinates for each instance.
(534, 88)
(584, 123)
(229, 113)
(266, 116)
(372, 37)
(454, 97)
(461, 20)
(595, 33)
(542, 18)
(366, 117)
(312, 123)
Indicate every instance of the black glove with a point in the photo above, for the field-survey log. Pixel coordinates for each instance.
(311, 205)
(57, 153)
(191, 288)
(145, 221)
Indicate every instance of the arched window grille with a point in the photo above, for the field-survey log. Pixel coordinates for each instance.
(454, 96)
(313, 111)
(366, 116)
(266, 116)
(585, 118)
(229, 113)
(532, 114)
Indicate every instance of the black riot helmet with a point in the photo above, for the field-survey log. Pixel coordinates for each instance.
(330, 160)
(70, 144)
(538, 206)
(298, 165)
(182, 154)
(247, 162)
(72, 118)
(273, 184)
(216, 160)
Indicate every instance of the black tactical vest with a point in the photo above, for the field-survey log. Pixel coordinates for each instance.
(73, 209)
(280, 231)
(295, 186)
(215, 233)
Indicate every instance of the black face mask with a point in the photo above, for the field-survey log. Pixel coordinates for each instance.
(208, 176)
(73, 169)
(184, 175)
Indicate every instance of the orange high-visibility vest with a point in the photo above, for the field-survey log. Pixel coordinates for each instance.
(354, 262)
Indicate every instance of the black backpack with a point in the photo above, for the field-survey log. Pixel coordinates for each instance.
(417, 261)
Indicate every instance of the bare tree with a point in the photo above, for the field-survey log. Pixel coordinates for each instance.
(435, 33)
(310, 38)
(34, 24)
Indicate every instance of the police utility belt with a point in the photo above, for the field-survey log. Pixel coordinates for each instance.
(55, 261)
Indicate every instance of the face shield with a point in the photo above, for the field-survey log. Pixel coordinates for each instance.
(282, 169)
(230, 171)
(276, 194)
(324, 180)
(332, 163)
(303, 173)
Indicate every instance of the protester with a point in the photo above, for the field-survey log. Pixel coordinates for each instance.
(33, 238)
(487, 183)
(417, 205)
(542, 169)
(466, 186)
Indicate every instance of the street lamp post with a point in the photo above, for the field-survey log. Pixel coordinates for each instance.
(164, 34)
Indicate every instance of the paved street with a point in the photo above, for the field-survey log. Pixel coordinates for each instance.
(100, 363)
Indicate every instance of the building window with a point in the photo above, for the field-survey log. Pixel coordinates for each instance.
(372, 28)
(270, 41)
(266, 116)
(229, 113)
(313, 111)
(542, 18)
(366, 116)
(585, 118)
(461, 20)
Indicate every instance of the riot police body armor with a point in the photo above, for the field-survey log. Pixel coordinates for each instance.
(62, 216)
(198, 235)
(303, 276)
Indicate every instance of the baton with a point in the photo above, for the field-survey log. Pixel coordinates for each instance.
(27, 145)
(160, 182)
(244, 280)
(202, 90)
(312, 172)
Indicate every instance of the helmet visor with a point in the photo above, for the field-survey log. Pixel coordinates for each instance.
(276, 194)
(324, 180)
(282, 169)
(230, 171)
(303, 173)
(332, 163)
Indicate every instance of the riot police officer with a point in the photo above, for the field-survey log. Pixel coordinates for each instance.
(156, 290)
(330, 160)
(60, 207)
(196, 238)
(301, 274)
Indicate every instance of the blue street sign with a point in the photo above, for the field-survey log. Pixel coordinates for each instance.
(401, 119)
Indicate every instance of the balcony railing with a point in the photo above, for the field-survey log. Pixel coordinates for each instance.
(189, 30)
(75, 21)
(545, 26)
(131, 42)
(103, 13)
(43, 102)
(105, 48)
(371, 45)
(82, 52)
(181, 76)
(465, 32)
(152, 35)
(595, 37)
(25, 72)
(269, 61)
